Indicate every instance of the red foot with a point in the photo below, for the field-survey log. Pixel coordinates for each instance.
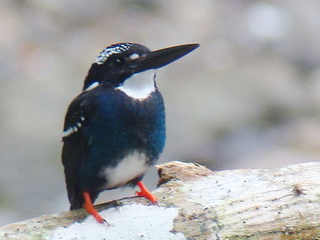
(145, 193)
(90, 208)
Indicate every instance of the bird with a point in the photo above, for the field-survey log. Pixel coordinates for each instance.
(114, 130)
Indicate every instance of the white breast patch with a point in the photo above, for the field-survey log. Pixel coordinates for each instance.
(128, 169)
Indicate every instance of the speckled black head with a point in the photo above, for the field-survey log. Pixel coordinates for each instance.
(119, 61)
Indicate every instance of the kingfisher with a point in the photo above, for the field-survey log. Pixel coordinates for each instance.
(114, 130)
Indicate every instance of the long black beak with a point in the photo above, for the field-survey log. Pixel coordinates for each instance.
(162, 57)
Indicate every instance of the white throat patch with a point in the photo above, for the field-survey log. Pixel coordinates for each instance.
(139, 85)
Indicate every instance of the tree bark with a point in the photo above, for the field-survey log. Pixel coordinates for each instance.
(196, 203)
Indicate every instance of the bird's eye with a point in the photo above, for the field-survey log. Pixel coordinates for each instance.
(118, 62)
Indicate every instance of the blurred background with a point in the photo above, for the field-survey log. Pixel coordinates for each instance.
(249, 97)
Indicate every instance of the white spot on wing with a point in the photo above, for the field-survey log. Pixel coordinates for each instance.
(139, 85)
(73, 129)
(127, 169)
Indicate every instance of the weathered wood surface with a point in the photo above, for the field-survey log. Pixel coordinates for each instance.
(196, 203)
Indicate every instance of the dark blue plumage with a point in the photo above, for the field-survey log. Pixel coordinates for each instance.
(115, 129)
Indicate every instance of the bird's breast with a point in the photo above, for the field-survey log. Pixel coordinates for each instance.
(130, 167)
(125, 137)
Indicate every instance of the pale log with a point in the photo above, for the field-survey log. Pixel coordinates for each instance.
(196, 203)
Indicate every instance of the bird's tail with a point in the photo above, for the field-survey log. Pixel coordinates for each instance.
(76, 200)
(76, 205)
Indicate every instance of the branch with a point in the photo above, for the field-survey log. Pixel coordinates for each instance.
(196, 203)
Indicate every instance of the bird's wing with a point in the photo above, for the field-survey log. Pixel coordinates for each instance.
(75, 144)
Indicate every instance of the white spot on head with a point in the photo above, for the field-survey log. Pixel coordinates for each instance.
(127, 169)
(139, 85)
(92, 86)
(107, 52)
(134, 56)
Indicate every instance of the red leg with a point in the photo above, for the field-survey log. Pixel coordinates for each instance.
(90, 208)
(145, 193)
